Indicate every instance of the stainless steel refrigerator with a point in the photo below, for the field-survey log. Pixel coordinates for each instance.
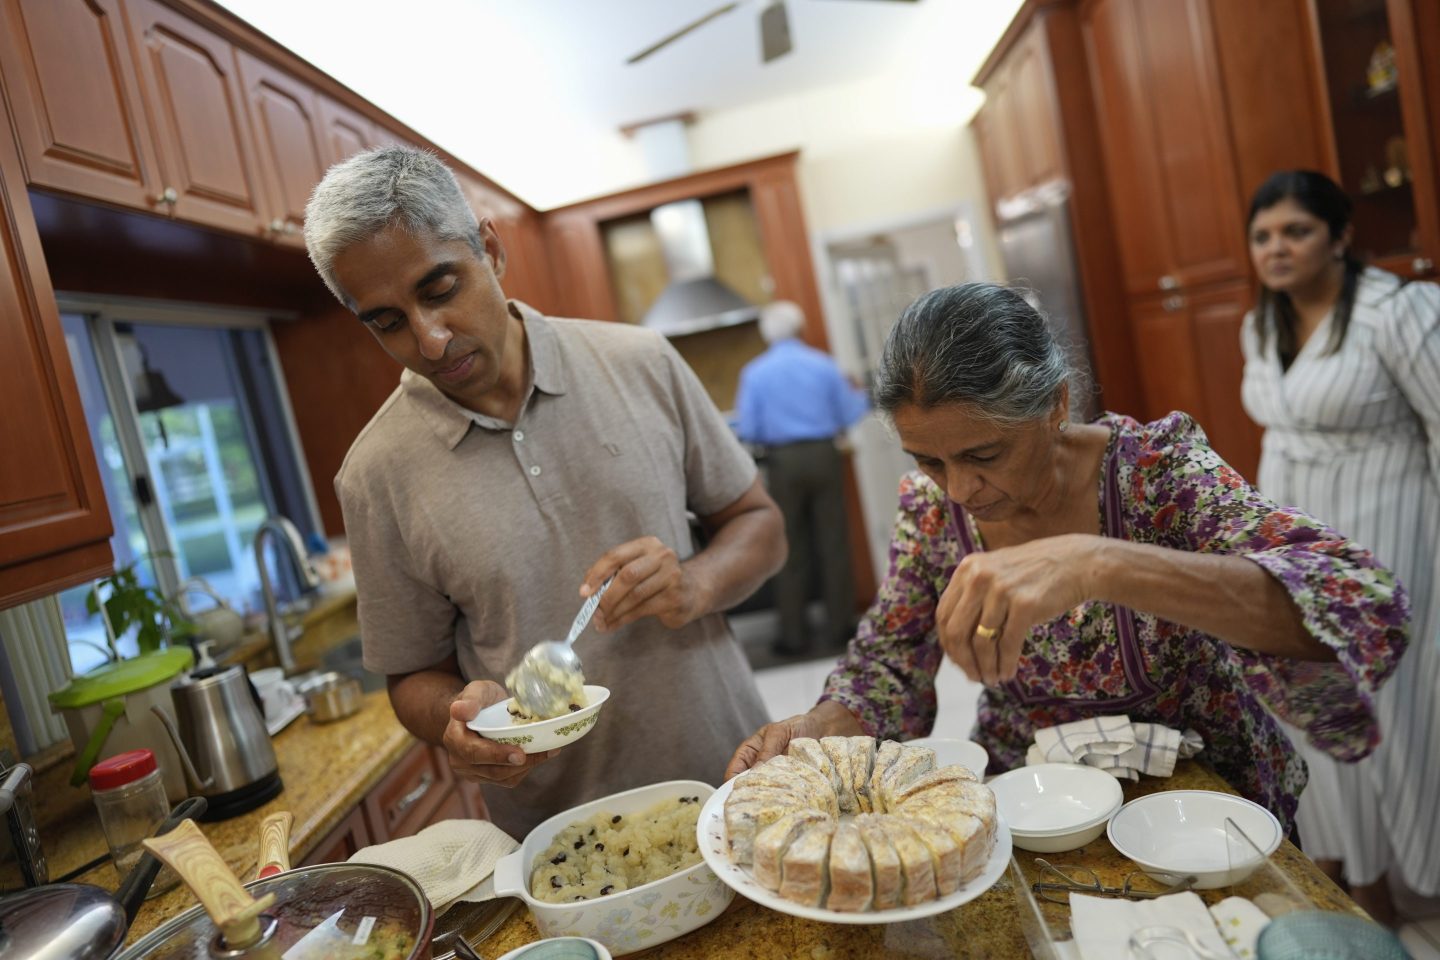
(1039, 254)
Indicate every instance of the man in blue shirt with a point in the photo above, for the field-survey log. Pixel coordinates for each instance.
(793, 402)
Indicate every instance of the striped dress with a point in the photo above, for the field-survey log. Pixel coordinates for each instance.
(1353, 437)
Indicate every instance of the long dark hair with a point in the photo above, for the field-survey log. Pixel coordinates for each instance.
(1323, 199)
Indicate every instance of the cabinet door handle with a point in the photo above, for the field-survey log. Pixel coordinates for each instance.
(427, 780)
(166, 198)
(1168, 282)
(1422, 264)
(1171, 304)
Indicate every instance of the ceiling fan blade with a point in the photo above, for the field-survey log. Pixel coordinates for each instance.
(774, 32)
(665, 41)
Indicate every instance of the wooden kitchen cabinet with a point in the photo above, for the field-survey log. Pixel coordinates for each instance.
(192, 83)
(406, 800)
(344, 132)
(418, 791)
(1167, 152)
(1380, 130)
(1216, 316)
(54, 522)
(340, 844)
(1167, 359)
(75, 100)
(285, 117)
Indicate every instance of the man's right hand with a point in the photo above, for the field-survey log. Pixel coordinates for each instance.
(473, 757)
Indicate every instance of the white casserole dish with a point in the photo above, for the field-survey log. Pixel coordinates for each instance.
(633, 919)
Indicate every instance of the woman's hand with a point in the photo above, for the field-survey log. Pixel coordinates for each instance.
(994, 598)
(825, 719)
(473, 757)
(650, 581)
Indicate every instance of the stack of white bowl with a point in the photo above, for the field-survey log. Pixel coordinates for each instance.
(1052, 807)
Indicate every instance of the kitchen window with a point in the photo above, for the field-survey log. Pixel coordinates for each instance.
(196, 445)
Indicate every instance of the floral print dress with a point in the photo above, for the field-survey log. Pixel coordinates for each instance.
(1161, 484)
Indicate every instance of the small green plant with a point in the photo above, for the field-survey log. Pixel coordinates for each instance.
(130, 603)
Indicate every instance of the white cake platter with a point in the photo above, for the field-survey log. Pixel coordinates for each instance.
(715, 848)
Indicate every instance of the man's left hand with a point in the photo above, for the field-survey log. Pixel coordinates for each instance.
(650, 581)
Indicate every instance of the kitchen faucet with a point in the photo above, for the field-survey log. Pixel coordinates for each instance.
(288, 542)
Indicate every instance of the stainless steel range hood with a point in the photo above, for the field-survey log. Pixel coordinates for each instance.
(695, 300)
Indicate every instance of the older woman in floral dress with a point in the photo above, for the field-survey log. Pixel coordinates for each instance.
(1083, 570)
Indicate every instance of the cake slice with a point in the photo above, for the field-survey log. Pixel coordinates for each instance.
(808, 750)
(838, 750)
(862, 761)
(772, 842)
(916, 865)
(885, 756)
(805, 867)
(783, 771)
(912, 764)
(747, 814)
(946, 854)
(974, 836)
(935, 778)
(852, 879)
(884, 861)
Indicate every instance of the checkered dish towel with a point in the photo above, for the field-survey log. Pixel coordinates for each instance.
(1115, 745)
(452, 860)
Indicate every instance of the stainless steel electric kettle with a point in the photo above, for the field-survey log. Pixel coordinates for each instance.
(222, 741)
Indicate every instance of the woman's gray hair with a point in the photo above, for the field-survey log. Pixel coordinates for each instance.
(979, 344)
(363, 195)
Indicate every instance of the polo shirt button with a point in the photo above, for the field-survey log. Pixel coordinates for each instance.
(535, 471)
(519, 435)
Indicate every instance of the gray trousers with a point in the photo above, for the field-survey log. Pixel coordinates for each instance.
(807, 481)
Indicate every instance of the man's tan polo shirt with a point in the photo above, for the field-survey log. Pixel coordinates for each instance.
(470, 535)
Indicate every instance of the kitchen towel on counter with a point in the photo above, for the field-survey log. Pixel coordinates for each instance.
(1240, 923)
(452, 860)
(1115, 745)
(1175, 925)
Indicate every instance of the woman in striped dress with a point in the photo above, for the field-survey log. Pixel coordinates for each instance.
(1342, 369)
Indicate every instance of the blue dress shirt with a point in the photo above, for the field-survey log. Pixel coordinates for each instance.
(792, 393)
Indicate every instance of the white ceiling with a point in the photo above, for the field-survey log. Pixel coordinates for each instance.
(477, 75)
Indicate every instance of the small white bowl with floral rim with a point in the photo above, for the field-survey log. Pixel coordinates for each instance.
(495, 723)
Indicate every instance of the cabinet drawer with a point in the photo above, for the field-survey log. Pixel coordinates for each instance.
(351, 835)
(451, 808)
(403, 802)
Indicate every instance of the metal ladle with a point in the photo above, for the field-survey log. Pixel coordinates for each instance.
(539, 682)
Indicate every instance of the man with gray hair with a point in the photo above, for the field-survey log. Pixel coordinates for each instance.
(523, 460)
(793, 403)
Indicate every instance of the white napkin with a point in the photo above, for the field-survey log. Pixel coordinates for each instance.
(1240, 923)
(1115, 745)
(1102, 926)
(452, 860)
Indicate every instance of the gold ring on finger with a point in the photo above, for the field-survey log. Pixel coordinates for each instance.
(986, 633)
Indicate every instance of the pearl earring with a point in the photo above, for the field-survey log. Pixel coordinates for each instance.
(1064, 425)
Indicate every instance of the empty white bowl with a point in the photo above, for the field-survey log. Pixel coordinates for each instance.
(1056, 806)
(950, 751)
(493, 723)
(1182, 833)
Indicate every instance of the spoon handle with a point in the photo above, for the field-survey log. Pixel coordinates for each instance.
(582, 619)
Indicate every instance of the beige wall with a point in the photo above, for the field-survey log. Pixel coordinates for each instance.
(870, 151)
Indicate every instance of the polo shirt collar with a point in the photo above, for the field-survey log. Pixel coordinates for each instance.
(451, 422)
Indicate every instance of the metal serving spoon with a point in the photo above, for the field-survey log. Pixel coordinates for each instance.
(545, 675)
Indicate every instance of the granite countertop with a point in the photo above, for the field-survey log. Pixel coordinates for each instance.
(327, 769)
(987, 928)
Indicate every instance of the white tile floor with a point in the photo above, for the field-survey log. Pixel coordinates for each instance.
(792, 689)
